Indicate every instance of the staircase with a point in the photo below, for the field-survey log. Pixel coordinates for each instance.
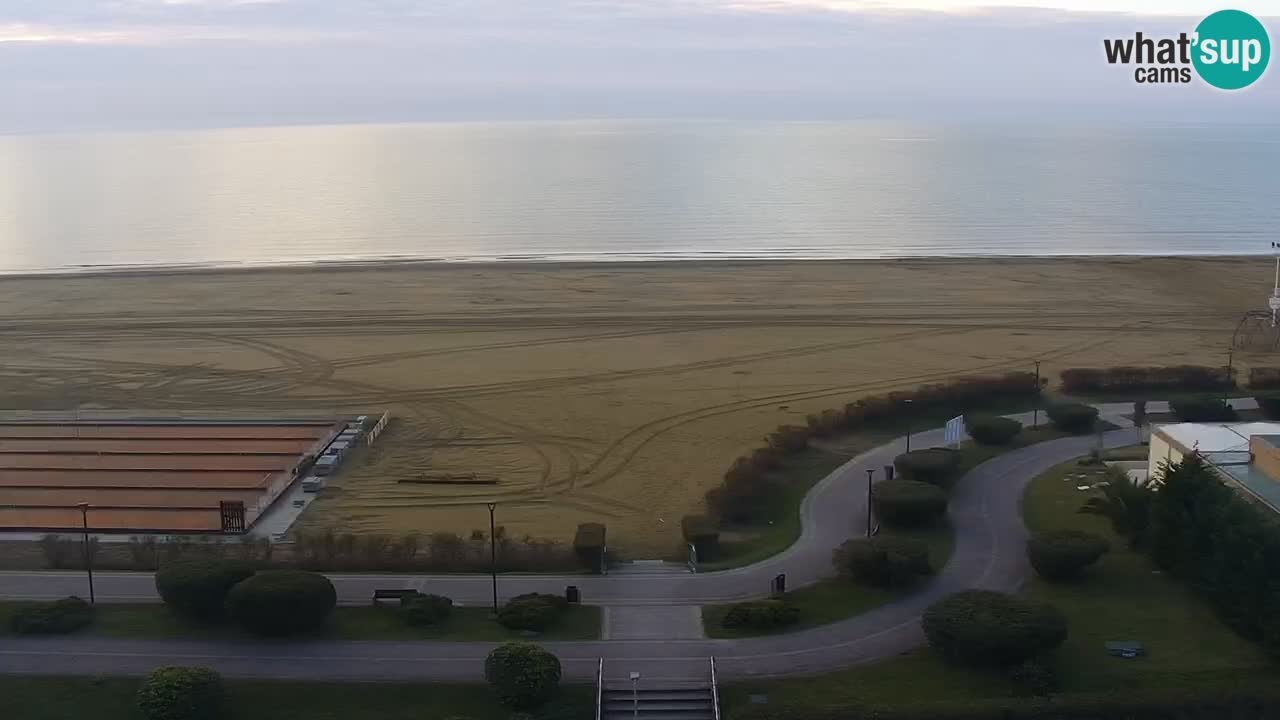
(658, 700)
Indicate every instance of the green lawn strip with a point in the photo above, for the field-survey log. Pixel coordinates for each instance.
(836, 598)
(348, 623)
(59, 698)
(1123, 598)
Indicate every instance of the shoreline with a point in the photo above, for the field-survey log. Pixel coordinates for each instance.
(699, 263)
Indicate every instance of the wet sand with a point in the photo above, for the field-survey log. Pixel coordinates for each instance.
(613, 393)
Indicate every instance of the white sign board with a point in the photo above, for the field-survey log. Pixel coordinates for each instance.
(953, 432)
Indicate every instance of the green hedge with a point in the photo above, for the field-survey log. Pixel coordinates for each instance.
(523, 675)
(1073, 417)
(182, 693)
(198, 588)
(425, 609)
(991, 430)
(1203, 410)
(760, 615)
(703, 534)
(936, 466)
(532, 611)
(908, 503)
(1269, 405)
(883, 561)
(1062, 555)
(52, 618)
(589, 545)
(1128, 379)
(282, 602)
(984, 628)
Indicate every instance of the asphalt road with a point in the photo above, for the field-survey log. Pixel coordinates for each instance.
(989, 553)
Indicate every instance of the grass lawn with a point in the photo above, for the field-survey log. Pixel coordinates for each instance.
(59, 698)
(348, 623)
(836, 598)
(1123, 598)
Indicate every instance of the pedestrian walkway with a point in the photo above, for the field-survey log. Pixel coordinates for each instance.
(652, 622)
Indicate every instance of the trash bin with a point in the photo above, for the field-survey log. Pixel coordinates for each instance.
(780, 584)
(572, 595)
(888, 472)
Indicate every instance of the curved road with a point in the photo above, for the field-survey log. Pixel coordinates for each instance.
(989, 553)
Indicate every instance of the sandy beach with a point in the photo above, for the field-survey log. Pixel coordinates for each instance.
(615, 393)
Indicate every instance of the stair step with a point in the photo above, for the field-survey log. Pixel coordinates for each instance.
(666, 686)
(670, 705)
(657, 696)
(621, 715)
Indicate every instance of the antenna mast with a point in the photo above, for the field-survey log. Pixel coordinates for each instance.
(1274, 301)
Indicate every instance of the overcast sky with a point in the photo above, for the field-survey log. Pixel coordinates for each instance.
(139, 64)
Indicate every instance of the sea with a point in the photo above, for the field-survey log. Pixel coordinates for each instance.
(630, 191)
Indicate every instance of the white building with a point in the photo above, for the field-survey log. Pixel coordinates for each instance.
(1245, 454)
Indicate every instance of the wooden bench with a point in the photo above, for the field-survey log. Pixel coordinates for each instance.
(392, 594)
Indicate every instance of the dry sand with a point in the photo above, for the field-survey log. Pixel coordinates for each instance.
(615, 393)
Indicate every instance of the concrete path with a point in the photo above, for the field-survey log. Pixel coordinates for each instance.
(989, 553)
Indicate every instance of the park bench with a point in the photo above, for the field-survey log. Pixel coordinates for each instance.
(392, 594)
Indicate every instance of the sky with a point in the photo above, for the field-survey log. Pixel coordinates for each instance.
(70, 65)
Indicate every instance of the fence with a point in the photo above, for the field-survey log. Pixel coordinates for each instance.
(378, 428)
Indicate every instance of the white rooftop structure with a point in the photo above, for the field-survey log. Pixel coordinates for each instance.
(1220, 443)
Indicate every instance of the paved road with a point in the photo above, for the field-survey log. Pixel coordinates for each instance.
(989, 553)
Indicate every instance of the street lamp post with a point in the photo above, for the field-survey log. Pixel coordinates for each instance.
(870, 473)
(908, 404)
(1226, 388)
(1035, 413)
(84, 548)
(493, 555)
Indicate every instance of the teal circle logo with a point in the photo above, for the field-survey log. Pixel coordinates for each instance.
(1232, 49)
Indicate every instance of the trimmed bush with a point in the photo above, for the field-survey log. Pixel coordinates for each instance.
(789, 439)
(282, 602)
(182, 693)
(523, 675)
(1062, 555)
(52, 618)
(760, 615)
(883, 561)
(1203, 410)
(702, 533)
(936, 466)
(198, 588)
(908, 503)
(419, 609)
(1073, 418)
(982, 627)
(1269, 405)
(532, 611)
(1128, 379)
(991, 429)
(589, 544)
(1264, 378)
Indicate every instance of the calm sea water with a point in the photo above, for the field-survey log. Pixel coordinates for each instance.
(630, 191)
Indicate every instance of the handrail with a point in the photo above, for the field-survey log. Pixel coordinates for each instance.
(600, 690)
(715, 691)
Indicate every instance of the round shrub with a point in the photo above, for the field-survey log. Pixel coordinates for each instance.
(523, 675)
(422, 609)
(760, 615)
(883, 561)
(908, 503)
(198, 588)
(991, 429)
(1063, 555)
(182, 693)
(532, 611)
(1074, 418)
(52, 618)
(936, 466)
(282, 602)
(981, 627)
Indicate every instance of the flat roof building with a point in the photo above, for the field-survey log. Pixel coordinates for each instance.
(1247, 455)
